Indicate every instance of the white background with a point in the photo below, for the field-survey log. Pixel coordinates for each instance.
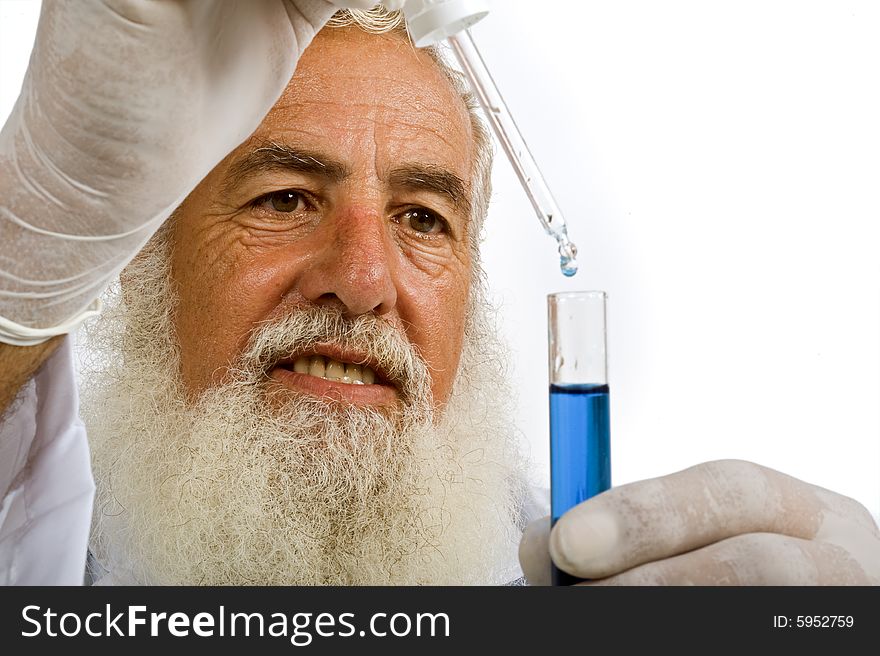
(719, 167)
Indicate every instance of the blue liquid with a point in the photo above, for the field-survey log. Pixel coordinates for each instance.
(580, 450)
(567, 253)
(568, 266)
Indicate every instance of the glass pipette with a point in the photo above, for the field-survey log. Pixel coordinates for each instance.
(508, 134)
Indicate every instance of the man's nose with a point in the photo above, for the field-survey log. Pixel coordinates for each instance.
(353, 268)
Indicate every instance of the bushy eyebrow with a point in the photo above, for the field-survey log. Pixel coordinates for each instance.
(273, 156)
(435, 180)
(281, 157)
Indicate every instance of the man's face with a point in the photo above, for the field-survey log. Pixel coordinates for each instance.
(336, 237)
(354, 193)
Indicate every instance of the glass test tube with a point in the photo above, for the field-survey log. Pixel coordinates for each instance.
(580, 458)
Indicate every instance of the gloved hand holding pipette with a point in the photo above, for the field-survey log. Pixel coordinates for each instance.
(109, 135)
(720, 523)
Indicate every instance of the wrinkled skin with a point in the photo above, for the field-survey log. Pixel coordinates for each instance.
(355, 234)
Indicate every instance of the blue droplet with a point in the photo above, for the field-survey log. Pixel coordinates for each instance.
(568, 266)
(567, 253)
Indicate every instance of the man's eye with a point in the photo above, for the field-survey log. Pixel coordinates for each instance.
(284, 201)
(423, 221)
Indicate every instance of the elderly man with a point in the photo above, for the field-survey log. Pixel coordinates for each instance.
(295, 380)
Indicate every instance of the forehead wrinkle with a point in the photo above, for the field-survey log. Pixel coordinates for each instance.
(433, 130)
(320, 82)
(322, 88)
(432, 117)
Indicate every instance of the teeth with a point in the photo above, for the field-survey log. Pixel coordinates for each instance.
(317, 366)
(330, 369)
(335, 370)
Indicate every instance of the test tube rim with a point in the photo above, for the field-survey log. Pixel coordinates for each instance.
(584, 295)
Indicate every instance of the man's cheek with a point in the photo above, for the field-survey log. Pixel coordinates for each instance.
(443, 337)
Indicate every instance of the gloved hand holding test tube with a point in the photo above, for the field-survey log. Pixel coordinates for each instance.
(580, 457)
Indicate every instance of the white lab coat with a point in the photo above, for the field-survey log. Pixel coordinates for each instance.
(47, 487)
(45, 480)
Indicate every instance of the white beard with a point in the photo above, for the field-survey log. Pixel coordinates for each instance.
(237, 489)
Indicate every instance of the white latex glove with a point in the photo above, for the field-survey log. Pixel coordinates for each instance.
(719, 523)
(125, 107)
(391, 5)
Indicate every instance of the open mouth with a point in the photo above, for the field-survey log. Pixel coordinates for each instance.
(329, 369)
(339, 375)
